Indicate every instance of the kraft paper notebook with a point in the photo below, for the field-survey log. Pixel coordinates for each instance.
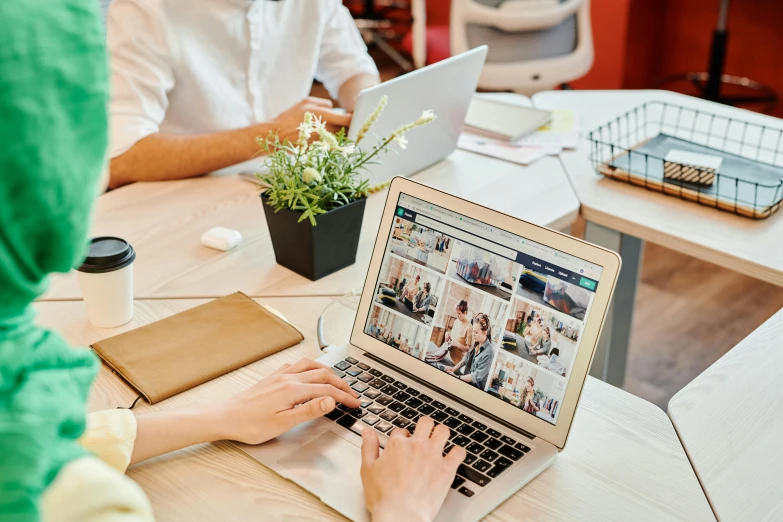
(182, 351)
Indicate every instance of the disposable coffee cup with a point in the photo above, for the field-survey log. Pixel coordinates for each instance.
(106, 280)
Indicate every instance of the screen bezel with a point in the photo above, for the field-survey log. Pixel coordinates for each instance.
(610, 261)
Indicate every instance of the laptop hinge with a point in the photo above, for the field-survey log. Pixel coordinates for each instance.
(450, 396)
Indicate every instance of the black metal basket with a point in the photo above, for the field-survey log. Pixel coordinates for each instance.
(632, 148)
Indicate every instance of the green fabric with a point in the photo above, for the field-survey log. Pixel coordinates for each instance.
(53, 138)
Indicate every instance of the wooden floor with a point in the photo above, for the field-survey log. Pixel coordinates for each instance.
(688, 312)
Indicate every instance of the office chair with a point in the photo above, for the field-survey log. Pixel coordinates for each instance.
(709, 85)
(534, 45)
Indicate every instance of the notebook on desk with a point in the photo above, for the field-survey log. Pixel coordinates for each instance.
(180, 352)
(508, 121)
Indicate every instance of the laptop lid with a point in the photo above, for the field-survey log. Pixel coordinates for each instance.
(445, 87)
(522, 306)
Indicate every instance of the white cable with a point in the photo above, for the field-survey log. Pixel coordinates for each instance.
(322, 344)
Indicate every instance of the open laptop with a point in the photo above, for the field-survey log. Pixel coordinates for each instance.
(445, 87)
(527, 302)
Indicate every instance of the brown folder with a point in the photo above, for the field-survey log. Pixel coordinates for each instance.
(175, 354)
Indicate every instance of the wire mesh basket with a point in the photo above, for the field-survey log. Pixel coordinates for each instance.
(749, 181)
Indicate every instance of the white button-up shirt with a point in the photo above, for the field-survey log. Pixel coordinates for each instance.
(202, 66)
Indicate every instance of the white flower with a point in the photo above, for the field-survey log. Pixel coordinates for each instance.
(310, 175)
(425, 118)
(305, 130)
(401, 140)
(328, 139)
(318, 125)
(346, 150)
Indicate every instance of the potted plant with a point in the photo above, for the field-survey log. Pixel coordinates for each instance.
(314, 192)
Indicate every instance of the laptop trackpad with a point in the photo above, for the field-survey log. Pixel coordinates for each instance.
(329, 467)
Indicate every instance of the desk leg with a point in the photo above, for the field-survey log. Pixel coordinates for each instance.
(612, 350)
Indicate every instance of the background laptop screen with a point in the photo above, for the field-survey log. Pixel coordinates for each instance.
(500, 312)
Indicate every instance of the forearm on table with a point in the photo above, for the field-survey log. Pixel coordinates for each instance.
(160, 156)
(165, 431)
(351, 88)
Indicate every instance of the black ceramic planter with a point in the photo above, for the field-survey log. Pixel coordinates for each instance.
(315, 251)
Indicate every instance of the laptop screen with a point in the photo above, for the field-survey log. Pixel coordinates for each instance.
(493, 309)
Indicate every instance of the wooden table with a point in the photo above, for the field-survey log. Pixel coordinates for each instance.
(622, 462)
(164, 222)
(621, 216)
(729, 421)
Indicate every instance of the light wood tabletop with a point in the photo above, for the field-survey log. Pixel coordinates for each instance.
(751, 247)
(729, 421)
(622, 461)
(164, 222)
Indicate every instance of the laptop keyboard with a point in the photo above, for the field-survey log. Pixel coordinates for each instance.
(388, 404)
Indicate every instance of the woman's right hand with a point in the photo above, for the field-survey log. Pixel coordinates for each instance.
(411, 479)
(293, 394)
(448, 336)
(449, 369)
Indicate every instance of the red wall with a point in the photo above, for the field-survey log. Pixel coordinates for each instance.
(610, 28)
(640, 42)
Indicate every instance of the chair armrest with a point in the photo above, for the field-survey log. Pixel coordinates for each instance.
(521, 16)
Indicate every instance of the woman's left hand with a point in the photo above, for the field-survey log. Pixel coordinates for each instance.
(290, 396)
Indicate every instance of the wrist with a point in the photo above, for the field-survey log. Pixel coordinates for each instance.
(256, 132)
(396, 511)
(217, 421)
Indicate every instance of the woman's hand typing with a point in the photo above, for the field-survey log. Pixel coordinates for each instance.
(411, 479)
(290, 396)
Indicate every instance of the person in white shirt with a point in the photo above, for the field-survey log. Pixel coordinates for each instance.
(194, 83)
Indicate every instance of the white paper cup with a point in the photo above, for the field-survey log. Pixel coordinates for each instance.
(106, 280)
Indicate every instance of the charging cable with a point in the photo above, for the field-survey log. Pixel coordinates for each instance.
(322, 344)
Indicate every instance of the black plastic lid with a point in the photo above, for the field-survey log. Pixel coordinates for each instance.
(107, 254)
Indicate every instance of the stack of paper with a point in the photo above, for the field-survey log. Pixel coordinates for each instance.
(562, 132)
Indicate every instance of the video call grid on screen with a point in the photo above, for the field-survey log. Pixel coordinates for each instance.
(442, 271)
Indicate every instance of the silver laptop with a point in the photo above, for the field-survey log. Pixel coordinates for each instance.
(446, 88)
(485, 323)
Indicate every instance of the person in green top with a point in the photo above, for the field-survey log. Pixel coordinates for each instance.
(53, 139)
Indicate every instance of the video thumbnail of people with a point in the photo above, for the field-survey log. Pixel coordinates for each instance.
(466, 333)
(526, 387)
(542, 336)
(398, 332)
(408, 289)
(421, 245)
(553, 292)
(481, 269)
